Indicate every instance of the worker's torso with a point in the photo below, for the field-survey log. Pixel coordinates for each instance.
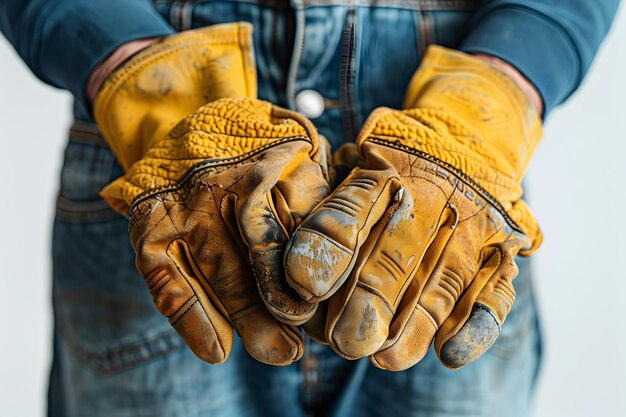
(333, 60)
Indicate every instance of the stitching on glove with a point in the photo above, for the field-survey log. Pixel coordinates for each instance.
(453, 281)
(323, 236)
(466, 179)
(184, 309)
(161, 275)
(502, 287)
(202, 282)
(148, 59)
(488, 310)
(196, 169)
(246, 311)
(374, 291)
(502, 184)
(428, 315)
(164, 50)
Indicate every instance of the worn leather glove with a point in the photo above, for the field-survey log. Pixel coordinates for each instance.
(149, 94)
(213, 202)
(419, 244)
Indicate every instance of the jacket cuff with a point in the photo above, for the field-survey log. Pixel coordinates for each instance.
(82, 37)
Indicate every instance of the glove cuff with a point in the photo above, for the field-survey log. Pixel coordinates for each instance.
(468, 116)
(439, 137)
(450, 143)
(487, 102)
(145, 97)
(222, 130)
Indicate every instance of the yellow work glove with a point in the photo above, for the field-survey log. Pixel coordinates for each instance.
(146, 97)
(419, 243)
(212, 203)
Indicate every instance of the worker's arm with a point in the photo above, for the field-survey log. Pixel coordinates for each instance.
(551, 42)
(62, 41)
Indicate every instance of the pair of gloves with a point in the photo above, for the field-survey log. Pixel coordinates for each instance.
(236, 224)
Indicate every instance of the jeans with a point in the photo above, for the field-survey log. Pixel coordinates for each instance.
(115, 355)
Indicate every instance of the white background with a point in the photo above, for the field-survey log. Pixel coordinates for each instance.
(578, 191)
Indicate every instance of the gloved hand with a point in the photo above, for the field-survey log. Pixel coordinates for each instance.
(419, 244)
(213, 202)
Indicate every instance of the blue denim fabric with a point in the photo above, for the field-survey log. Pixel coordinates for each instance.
(115, 355)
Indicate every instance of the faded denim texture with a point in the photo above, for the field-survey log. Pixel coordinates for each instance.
(115, 355)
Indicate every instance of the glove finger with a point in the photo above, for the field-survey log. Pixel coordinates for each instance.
(228, 279)
(212, 268)
(440, 291)
(359, 324)
(323, 250)
(269, 214)
(231, 283)
(474, 325)
(265, 338)
(178, 294)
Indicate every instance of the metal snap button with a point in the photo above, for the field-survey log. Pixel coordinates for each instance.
(310, 103)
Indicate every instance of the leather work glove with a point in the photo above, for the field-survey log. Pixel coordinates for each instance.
(419, 244)
(212, 203)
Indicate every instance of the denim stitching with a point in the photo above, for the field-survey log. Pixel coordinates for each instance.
(426, 30)
(110, 360)
(87, 134)
(186, 15)
(347, 75)
(84, 211)
(298, 47)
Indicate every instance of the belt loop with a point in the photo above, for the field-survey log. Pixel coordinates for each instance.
(424, 29)
(180, 15)
(347, 73)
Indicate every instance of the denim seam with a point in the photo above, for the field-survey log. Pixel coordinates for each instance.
(87, 134)
(84, 211)
(347, 75)
(425, 26)
(181, 14)
(186, 15)
(400, 4)
(115, 359)
(296, 56)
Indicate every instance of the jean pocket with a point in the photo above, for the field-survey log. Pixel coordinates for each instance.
(103, 310)
(88, 166)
